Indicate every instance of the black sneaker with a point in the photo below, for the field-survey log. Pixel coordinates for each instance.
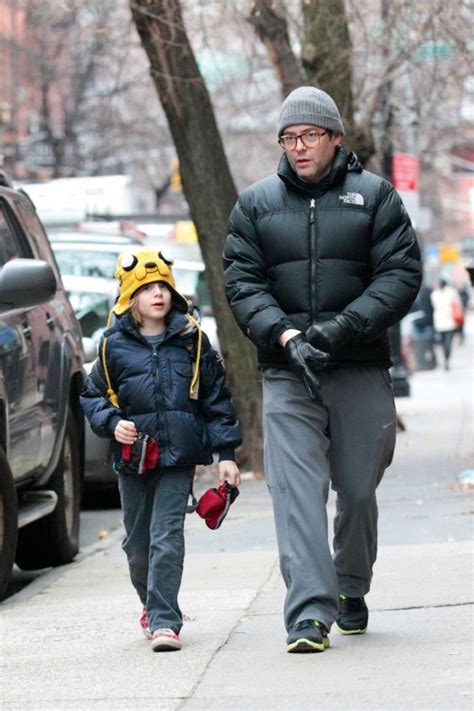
(353, 615)
(308, 636)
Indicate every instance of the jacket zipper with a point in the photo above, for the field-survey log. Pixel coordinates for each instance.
(314, 260)
(157, 401)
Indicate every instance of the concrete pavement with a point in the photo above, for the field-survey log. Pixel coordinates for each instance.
(71, 640)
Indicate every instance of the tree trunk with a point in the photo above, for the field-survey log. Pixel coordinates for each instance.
(325, 59)
(326, 55)
(270, 26)
(208, 187)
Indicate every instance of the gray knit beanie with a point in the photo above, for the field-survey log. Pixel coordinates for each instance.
(312, 106)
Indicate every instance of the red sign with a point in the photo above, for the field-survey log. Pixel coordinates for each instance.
(405, 171)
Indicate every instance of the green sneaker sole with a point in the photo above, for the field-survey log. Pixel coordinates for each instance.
(343, 631)
(303, 645)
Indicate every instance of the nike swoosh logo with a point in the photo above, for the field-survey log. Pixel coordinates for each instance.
(389, 425)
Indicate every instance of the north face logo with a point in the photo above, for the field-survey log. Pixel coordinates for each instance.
(352, 198)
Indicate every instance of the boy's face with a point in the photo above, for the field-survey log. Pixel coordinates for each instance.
(154, 302)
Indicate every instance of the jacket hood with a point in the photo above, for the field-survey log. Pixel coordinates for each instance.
(353, 163)
(343, 163)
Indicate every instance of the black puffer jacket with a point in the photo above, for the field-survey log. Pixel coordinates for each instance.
(153, 392)
(292, 259)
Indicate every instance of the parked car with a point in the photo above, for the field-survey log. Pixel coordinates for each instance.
(91, 256)
(41, 376)
(92, 299)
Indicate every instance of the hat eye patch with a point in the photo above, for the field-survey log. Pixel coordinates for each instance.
(167, 260)
(128, 262)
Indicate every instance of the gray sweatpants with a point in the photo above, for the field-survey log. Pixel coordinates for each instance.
(348, 442)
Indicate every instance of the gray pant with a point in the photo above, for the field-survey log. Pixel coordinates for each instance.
(154, 507)
(347, 442)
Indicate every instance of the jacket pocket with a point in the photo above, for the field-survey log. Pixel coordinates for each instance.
(181, 375)
(184, 370)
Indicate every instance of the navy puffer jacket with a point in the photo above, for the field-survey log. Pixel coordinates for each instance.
(296, 256)
(153, 392)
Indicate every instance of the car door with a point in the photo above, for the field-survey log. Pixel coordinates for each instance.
(17, 366)
(46, 324)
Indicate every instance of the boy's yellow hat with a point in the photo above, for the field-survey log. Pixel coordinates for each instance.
(141, 266)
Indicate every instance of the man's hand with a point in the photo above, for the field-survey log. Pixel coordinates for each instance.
(304, 360)
(126, 432)
(330, 336)
(229, 471)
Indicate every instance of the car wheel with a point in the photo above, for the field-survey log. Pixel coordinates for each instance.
(8, 522)
(54, 540)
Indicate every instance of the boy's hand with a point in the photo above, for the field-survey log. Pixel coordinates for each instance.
(229, 471)
(125, 432)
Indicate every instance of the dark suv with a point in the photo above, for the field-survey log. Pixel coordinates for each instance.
(41, 376)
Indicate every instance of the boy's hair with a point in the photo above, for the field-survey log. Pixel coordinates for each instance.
(134, 312)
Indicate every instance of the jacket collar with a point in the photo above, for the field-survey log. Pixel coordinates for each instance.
(343, 163)
(177, 323)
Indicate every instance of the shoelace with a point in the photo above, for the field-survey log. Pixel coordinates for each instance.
(165, 632)
(310, 624)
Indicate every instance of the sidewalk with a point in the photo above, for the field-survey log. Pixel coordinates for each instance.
(71, 640)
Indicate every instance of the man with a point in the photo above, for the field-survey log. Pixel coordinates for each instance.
(321, 259)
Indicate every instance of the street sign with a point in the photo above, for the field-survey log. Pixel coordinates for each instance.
(405, 171)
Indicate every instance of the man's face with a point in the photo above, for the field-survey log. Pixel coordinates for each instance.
(312, 164)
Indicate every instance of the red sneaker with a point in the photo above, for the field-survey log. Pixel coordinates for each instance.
(144, 624)
(165, 640)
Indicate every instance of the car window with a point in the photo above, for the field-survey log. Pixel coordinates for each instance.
(92, 310)
(86, 263)
(9, 248)
(192, 283)
(35, 230)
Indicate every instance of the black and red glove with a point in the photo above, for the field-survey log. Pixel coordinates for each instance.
(140, 457)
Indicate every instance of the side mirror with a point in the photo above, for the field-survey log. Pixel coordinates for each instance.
(26, 282)
(90, 349)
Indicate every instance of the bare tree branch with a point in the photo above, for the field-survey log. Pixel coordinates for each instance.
(271, 27)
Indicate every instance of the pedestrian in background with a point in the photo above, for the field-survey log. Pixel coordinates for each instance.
(159, 391)
(448, 316)
(320, 260)
(463, 291)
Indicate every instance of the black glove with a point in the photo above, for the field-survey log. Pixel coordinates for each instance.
(304, 360)
(330, 336)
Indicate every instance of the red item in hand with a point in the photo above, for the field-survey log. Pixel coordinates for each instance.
(215, 503)
(140, 457)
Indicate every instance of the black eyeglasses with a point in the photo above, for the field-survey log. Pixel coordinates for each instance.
(309, 139)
